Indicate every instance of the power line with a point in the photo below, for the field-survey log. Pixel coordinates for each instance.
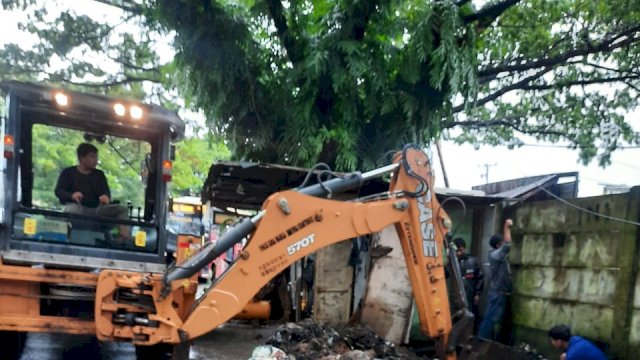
(613, 218)
(587, 210)
(625, 164)
(571, 146)
(568, 147)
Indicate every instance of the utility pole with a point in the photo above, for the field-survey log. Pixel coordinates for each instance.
(486, 171)
(444, 172)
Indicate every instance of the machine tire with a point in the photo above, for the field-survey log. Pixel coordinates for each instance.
(163, 352)
(12, 344)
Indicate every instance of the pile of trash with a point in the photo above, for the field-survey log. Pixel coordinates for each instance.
(530, 352)
(308, 340)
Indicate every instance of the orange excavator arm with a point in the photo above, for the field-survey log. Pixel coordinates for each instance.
(292, 225)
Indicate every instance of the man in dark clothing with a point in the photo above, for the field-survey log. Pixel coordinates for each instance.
(83, 189)
(500, 285)
(573, 347)
(472, 277)
(83, 186)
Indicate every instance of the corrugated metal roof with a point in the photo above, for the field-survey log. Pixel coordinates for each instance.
(246, 185)
(524, 188)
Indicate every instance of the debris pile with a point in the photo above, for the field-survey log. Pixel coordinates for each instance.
(308, 340)
(530, 352)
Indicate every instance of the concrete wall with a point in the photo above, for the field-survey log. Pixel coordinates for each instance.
(568, 267)
(386, 307)
(575, 268)
(333, 284)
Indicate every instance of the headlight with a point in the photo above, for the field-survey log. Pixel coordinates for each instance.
(119, 109)
(136, 112)
(61, 99)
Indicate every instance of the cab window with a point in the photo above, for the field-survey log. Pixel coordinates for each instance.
(54, 148)
(119, 159)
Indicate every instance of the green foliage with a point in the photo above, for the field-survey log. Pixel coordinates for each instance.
(573, 69)
(55, 143)
(345, 81)
(74, 49)
(193, 159)
(317, 94)
(78, 40)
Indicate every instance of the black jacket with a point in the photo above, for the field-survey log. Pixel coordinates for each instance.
(472, 276)
(92, 186)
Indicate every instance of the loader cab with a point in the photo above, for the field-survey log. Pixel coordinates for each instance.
(42, 128)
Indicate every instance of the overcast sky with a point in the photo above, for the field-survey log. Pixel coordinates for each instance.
(465, 166)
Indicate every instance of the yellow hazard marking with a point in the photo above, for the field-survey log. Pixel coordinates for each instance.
(141, 239)
(187, 252)
(30, 226)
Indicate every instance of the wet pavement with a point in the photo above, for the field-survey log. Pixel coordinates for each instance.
(233, 341)
(46, 346)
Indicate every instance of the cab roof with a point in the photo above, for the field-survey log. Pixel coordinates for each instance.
(96, 106)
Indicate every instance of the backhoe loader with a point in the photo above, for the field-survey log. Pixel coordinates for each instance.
(66, 273)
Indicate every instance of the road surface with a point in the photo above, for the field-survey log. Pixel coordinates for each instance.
(234, 341)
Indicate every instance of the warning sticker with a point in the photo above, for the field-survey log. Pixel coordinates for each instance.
(141, 239)
(30, 226)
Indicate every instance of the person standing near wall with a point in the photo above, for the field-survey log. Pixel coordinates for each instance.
(500, 285)
(472, 277)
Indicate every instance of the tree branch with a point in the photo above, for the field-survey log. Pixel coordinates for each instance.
(13, 70)
(126, 80)
(507, 122)
(504, 90)
(280, 21)
(356, 24)
(579, 82)
(606, 45)
(487, 78)
(602, 67)
(491, 77)
(128, 6)
(487, 14)
(481, 123)
(629, 84)
(133, 66)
